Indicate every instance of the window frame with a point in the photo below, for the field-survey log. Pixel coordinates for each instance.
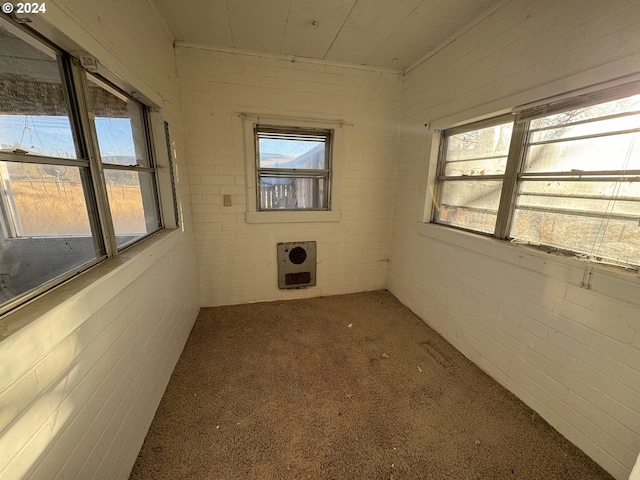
(441, 176)
(522, 117)
(75, 64)
(106, 166)
(254, 214)
(324, 173)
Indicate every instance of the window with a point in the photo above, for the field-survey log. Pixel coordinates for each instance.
(293, 168)
(471, 175)
(563, 175)
(121, 129)
(77, 177)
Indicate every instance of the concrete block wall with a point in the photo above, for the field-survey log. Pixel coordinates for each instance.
(83, 368)
(89, 365)
(571, 353)
(237, 260)
(82, 378)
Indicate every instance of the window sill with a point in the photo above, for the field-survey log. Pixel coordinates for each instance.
(102, 281)
(620, 283)
(293, 217)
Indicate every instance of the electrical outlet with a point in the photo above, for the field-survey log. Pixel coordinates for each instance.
(226, 200)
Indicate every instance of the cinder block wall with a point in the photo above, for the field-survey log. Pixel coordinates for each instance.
(85, 376)
(237, 260)
(572, 354)
(81, 380)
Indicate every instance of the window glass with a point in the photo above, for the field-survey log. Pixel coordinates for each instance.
(470, 204)
(56, 213)
(45, 200)
(279, 150)
(626, 106)
(34, 108)
(293, 192)
(593, 207)
(468, 168)
(595, 138)
(580, 128)
(615, 240)
(133, 204)
(592, 154)
(120, 126)
(487, 143)
(48, 218)
(293, 168)
(465, 198)
(577, 186)
(45, 225)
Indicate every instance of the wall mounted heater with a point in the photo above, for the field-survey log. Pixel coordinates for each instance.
(296, 264)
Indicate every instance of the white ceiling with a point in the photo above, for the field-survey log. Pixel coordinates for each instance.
(380, 33)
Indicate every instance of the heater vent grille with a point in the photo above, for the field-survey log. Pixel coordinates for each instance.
(296, 264)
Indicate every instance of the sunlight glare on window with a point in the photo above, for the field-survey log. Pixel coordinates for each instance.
(34, 109)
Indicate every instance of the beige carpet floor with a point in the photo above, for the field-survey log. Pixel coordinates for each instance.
(345, 387)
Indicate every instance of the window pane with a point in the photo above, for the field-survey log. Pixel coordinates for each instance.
(612, 240)
(622, 105)
(44, 200)
(45, 225)
(617, 152)
(468, 168)
(610, 149)
(34, 111)
(585, 213)
(132, 200)
(588, 198)
(120, 126)
(594, 218)
(281, 192)
(489, 142)
(610, 125)
(471, 204)
(292, 151)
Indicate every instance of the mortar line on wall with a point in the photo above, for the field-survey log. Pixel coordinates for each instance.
(449, 122)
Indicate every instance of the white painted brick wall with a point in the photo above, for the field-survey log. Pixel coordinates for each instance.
(80, 383)
(81, 380)
(80, 387)
(570, 353)
(238, 260)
